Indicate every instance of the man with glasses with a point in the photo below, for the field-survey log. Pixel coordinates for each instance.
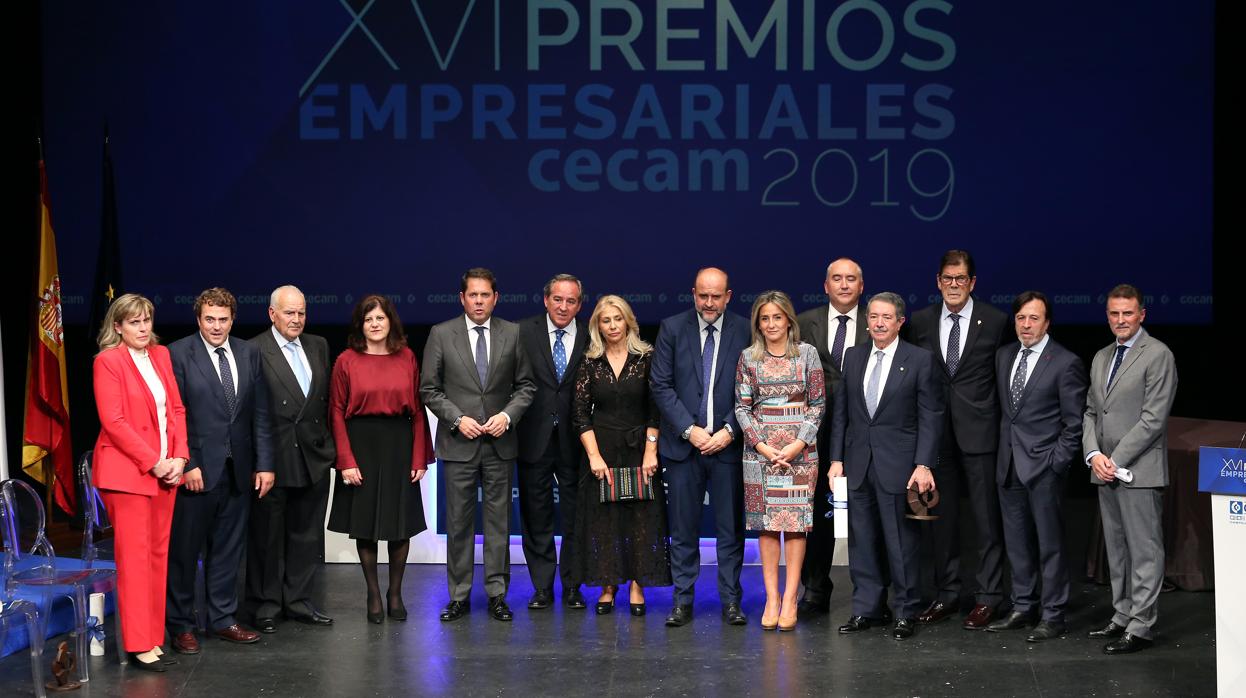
(964, 335)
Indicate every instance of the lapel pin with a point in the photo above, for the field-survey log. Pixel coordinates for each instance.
(979, 322)
(901, 368)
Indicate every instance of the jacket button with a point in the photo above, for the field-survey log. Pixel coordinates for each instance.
(283, 402)
(296, 445)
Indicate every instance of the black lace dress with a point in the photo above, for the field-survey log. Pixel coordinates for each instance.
(619, 541)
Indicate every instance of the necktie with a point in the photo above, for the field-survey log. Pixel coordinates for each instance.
(953, 345)
(300, 373)
(482, 355)
(1120, 354)
(560, 354)
(871, 391)
(231, 398)
(837, 347)
(707, 369)
(1018, 378)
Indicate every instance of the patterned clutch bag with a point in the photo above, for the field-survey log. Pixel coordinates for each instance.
(628, 486)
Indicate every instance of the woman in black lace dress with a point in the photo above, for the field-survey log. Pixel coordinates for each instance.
(618, 424)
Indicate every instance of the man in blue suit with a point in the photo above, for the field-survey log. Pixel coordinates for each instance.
(1042, 388)
(693, 383)
(885, 436)
(231, 455)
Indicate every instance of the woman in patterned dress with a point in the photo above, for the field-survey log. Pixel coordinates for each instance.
(780, 397)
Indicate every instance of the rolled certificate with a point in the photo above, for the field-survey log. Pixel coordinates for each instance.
(840, 503)
(97, 609)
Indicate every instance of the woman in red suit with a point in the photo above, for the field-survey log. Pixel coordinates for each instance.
(138, 464)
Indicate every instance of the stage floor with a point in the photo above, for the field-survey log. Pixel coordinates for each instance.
(559, 652)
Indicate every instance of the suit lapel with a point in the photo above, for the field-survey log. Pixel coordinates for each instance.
(1044, 360)
(1003, 371)
(1131, 356)
(724, 351)
(973, 330)
(464, 346)
(693, 337)
(206, 363)
(545, 349)
(242, 361)
(577, 351)
(895, 377)
(498, 345)
(280, 367)
(817, 327)
(133, 367)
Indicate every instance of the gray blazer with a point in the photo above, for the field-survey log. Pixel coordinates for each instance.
(450, 386)
(1128, 421)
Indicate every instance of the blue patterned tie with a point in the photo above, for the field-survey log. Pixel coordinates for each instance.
(560, 354)
(1018, 378)
(482, 355)
(953, 346)
(871, 391)
(1120, 354)
(837, 348)
(300, 373)
(231, 398)
(707, 369)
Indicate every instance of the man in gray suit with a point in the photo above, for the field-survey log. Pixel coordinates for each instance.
(1042, 389)
(1132, 385)
(478, 382)
(833, 329)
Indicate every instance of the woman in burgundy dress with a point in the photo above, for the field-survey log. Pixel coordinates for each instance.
(383, 447)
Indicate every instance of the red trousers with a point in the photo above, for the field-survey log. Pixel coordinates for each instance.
(141, 538)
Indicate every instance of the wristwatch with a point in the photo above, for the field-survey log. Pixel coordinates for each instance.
(455, 426)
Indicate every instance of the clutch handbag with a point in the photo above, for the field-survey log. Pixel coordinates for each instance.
(628, 486)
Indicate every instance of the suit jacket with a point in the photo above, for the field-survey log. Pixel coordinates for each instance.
(129, 442)
(303, 446)
(450, 385)
(1044, 431)
(906, 425)
(209, 425)
(551, 401)
(1128, 420)
(972, 408)
(813, 329)
(676, 382)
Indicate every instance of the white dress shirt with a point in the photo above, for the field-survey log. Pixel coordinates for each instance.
(945, 328)
(471, 337)
(568, 340)
(709, 389)
(1030, 362)
(889, 353)
(850, 330)
(143, 361)
(282, 342)
(216, 362)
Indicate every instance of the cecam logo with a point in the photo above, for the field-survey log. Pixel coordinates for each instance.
(1235, 469)
(1237, 511)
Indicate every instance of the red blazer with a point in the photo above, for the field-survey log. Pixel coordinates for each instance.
(129, 443)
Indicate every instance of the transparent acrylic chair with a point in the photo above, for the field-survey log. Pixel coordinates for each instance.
(35, 567)
(15, 612)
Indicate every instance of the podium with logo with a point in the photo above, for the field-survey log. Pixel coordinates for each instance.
(1222, 472)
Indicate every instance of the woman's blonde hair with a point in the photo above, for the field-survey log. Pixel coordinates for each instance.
(128, 306)
(596, 346)
(758, 349)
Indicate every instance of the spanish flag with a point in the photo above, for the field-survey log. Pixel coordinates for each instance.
(46, 452)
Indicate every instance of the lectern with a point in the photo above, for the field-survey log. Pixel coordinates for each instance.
(1222, 472)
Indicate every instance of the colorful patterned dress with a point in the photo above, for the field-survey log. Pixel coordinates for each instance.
(778, 400)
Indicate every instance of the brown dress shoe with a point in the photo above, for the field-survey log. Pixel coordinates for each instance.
(936, 612)
(186, 643)
(979, 617)
(237, 633)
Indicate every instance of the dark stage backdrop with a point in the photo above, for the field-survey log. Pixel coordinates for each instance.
(351, 146)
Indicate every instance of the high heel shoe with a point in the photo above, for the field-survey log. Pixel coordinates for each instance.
(783, 626)
(397, 611)
(605, 608)
(769, 622)
(376, 616)
(638, 609)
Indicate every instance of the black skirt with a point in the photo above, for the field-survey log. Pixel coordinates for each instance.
(386, 505)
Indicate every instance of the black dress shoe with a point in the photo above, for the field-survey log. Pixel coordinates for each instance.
(904, 628)
(313, 618)
(156, 666)
(268, 626)
(1015, 620)
(541, 599)
(1127, 644)
(1046, 630)
(732, 615)
(680, 615)
(812, 607)
(572, 598)
(1111, 631)
(455, 610)
(499, 610)
(856, 624)
(935, 612)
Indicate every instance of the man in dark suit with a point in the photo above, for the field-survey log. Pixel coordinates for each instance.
(231, 456)
(693, 384)
(1042, 387)
(477, 380)
(1133, 382)
(833, 329)
(549, 448)
(964, 334)
(285, 545)
(884, 434)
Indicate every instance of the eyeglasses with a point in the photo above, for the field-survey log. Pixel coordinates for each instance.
(959, 280)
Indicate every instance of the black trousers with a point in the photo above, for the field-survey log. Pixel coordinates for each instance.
(971, 475)
(285, 548)
(212, 523)
(536, 513)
